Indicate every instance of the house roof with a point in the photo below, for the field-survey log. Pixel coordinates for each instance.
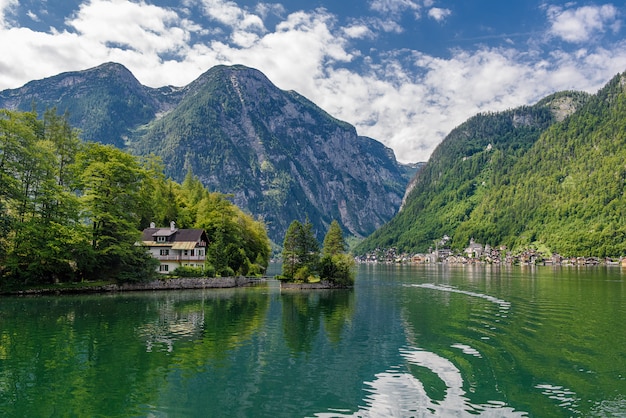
(176, 237)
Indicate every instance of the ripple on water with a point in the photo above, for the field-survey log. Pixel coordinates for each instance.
(466, 349)
(395, 393)
(566, 398)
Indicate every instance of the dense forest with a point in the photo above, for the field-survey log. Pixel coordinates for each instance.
(550, 176)
(72, 210)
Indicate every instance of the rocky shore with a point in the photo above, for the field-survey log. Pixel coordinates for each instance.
(159, 284)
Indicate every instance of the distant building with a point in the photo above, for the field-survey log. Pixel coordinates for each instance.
(475, 250)
(175, 247)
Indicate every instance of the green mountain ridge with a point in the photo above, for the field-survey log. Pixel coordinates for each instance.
(550, 175)
(278, 154)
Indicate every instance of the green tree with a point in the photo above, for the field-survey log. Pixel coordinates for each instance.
(335, 265)
(40, 210)
(301, 252)
(112, 199)
(291, 260)
(334, 242)
(308, 247)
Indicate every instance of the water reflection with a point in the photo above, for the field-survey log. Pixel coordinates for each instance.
(86, 356)
(397, 393)
(303, 312)
(406, 341)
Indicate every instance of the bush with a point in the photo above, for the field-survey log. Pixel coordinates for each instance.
(209, 271)
(227, 272)
(188, 272)
(338, 269)
(302, 274)
(255, 270)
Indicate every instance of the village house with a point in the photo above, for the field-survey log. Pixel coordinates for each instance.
(475, 250)
(175, 247)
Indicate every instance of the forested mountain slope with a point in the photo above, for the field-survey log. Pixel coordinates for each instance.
(567, 192)
(460, 191)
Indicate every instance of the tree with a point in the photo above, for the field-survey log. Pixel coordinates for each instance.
(308, 247)
(40, 210)
(291, 260)
(301, 251)
(110, 182)
(334, 242)
(335, 265)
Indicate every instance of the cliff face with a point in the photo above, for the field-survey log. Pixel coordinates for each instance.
(281, 156)
(277, 153)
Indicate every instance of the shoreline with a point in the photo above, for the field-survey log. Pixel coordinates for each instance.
(305, 286)
(183, 283)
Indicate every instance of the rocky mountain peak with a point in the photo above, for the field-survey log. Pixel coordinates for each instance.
(279, 155)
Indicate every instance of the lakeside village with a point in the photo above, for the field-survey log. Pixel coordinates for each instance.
(477, 253)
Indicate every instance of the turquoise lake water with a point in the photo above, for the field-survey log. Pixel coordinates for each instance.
(407, 341)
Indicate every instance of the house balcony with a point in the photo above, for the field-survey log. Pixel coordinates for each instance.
(180, 258)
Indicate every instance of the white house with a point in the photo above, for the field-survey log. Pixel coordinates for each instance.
(475, 250)
(175, 247)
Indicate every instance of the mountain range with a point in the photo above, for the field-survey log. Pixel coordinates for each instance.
(279, 155)
(549, 177)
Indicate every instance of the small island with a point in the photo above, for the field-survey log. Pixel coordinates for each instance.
(304, 267)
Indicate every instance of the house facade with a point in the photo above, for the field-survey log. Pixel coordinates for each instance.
(175, 247)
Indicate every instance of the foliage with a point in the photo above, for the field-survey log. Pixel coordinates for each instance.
(301, 255)
(471, 158)
(71, 210)
(335, 265)
(527, 176)
(300, 250)
(334, 243)
(185, 271)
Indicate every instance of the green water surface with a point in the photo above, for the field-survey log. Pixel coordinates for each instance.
(406, 341)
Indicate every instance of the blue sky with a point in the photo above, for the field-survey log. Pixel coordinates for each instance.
(405, 72)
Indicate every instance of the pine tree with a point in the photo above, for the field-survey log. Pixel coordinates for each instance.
(291, 249)
(334, 242)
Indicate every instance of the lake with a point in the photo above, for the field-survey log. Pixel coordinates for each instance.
(422, 340)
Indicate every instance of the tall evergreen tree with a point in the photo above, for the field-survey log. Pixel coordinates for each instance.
(335, 265)
(291, 249)
(334, 242)
(308, 247)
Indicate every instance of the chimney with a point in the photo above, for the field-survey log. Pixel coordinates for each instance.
(172, 226)
(152, 225)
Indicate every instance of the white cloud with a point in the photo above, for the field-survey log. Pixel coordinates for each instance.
(230, 14)
(439, 14)
(33, 16)
(6, 7)
(393, 6)
(358, 31)
(581, 24)
(407, 99)
(137, 26)
(266, 9)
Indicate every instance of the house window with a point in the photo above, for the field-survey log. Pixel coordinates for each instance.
(165, 252)
(164, 267)
(160, 239)
(200, 252)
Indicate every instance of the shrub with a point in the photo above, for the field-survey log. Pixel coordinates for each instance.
(209, 270)
(338, 269)
(188, 272)
(302, 274)
(227, 272)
